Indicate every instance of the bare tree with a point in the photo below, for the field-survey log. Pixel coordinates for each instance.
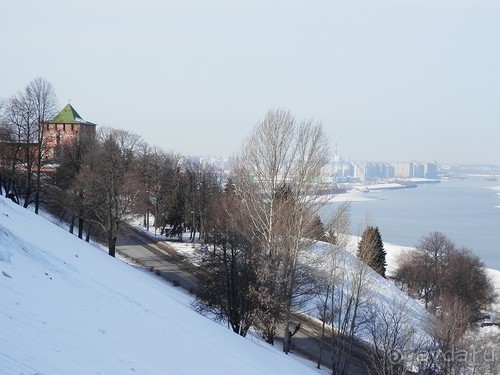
(9, 150)
(203, 182)
(438, 271)
(344, 303)
(480, 353)
(465, 277)
(394, 338)
(111, 182)
(150, 161)
(421, 271)
(454, 285)
(466, 291)
(42, 93)
(327, 265)
(276, 178)
(21, 117)
(349, 310)
(24, 114)
(68, 191)
(416, 282)
(176, 204)
(161, 166)
(164, 189)
(229, 273)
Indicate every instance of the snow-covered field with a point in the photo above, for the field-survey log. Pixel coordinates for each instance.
(68, 308)
(352, 195)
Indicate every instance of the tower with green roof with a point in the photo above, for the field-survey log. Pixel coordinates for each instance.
(64, 128)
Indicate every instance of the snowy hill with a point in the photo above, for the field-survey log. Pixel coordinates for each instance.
(68, 308)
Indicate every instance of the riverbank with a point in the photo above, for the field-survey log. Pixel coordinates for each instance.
(466, 211)
(353, 191)
(394, 252)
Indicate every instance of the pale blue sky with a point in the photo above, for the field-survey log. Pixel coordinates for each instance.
(390, 80)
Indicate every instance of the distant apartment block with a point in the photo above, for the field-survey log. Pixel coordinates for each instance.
(431, 170)
(344, 171)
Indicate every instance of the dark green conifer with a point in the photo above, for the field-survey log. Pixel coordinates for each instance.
(371, 250)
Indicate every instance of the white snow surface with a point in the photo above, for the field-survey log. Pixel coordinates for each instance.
(352, 195)
(379, 291)
(67, 307)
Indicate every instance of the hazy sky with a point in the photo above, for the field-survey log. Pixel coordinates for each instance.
(391, 80)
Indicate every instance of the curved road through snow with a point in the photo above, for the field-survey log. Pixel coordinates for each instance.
(162, 259)
(157, 257)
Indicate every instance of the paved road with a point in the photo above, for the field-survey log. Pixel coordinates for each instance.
(157, 257)
(166, 262)
(306, 342)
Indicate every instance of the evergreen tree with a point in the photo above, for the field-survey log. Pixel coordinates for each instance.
(371, 250)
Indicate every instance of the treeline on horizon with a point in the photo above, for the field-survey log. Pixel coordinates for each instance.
(258, 225)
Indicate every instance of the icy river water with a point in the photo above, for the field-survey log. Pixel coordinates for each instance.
(467, 211)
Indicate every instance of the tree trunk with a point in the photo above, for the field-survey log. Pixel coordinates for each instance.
(29, 181)
(288, 337)
(287, 340)
(81, 221)
(87, 238)
(269, 333)
(14, 196)
(37, 191)
(27, 197)
(322, 340)
(112, 245)
(72, 224)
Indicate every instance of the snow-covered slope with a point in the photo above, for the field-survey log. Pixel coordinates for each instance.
(68, 308)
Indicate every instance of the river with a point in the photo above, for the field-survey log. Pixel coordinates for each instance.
(467, 211)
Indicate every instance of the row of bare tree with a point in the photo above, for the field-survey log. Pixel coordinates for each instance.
(97, 182)
(110, 180)
(22, 141)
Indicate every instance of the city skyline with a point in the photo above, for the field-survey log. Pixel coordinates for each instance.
(388, 80)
